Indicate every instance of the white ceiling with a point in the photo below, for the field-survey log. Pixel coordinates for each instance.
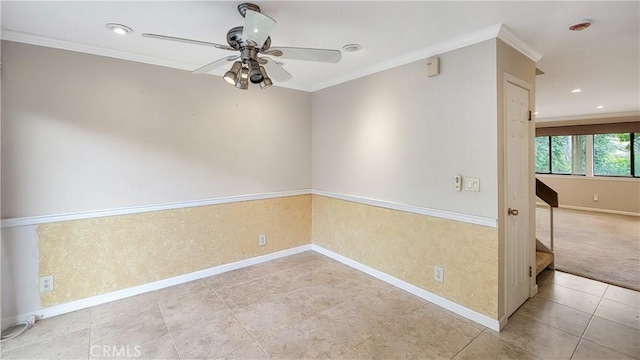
(603, 60)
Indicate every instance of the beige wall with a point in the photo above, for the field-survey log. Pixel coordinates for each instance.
(613, 194)
(83, 132)
(96, 256)
(142, 134)
(402, 137)
(407, 246)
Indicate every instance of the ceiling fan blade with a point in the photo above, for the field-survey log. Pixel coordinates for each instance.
(188, 41)
(214, 65)
(257, 27)
(321, 55)
(275, 71)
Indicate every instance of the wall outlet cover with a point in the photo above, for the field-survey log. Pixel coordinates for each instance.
(46, 283)
(262, 240)
(438, 274)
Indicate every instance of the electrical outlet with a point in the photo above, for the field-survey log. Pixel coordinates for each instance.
(46, 283)
(595, 198)
(438, 274)
(262, 240)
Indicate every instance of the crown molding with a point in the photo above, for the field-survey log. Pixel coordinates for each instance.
(31, 39)
(508, 36)
(627, 116)
(446, 46)
(496, 31)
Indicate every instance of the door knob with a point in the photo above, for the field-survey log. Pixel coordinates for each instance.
(513, 212)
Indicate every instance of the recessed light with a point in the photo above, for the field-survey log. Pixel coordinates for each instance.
(600, 107)
(580, 25)
(119, 29)
(576, 90)
(351, 48)
(535, 113)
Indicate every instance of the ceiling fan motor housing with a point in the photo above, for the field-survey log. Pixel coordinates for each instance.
(234, 39)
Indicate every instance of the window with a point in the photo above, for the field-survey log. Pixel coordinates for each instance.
(612, 154)
(609, 154)
(636, 154)
(561, 154)
(542, 155)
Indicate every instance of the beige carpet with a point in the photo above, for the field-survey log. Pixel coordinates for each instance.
(599, 246)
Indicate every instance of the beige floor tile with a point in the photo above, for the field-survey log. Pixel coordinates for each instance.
(210, 339)
(589, 351)
(145, 334)
(125, 308)
(276, 265)
(192, 310)
(52, 328)
(394, 346)
(350, 322)
(312, 300)
(291, 279)
(540, 339)
(619, 312)
(236, 277)
(306, 258)
(554, 314)
(622, 295)
(428, 327)
(251, 351)
(456, 316)
(350, 355)
(383, 298)
(272, 314)
(73, 345)
(570, 297)
(585, 285)
(313, 343)
(178, 293)
(244, 294)
(610, 334)
(486, 346)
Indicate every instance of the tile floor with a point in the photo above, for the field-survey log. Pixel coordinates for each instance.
(307, 306)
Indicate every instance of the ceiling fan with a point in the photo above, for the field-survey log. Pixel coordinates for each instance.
(253, 42)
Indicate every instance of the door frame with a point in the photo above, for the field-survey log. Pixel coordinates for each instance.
(502, 206)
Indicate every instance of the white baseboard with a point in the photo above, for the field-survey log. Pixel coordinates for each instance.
(502, 322)
(137, 290)
(617, 212)
(607, 211)
(440, 301)
(156, 285)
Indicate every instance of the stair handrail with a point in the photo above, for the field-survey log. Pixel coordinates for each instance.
(549, 196)
(546, 193)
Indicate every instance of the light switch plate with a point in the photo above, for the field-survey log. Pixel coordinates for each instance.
(472, 184)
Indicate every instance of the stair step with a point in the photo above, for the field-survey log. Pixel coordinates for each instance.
(543, 259)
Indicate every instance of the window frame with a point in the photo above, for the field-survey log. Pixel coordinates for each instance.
(634, 173)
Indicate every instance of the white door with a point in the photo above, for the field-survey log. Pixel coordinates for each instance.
(518, 246)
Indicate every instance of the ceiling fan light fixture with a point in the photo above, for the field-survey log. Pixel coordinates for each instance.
(243, 79)
(231, 76)
(255, 75)
(119, 29)
(266, 81)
